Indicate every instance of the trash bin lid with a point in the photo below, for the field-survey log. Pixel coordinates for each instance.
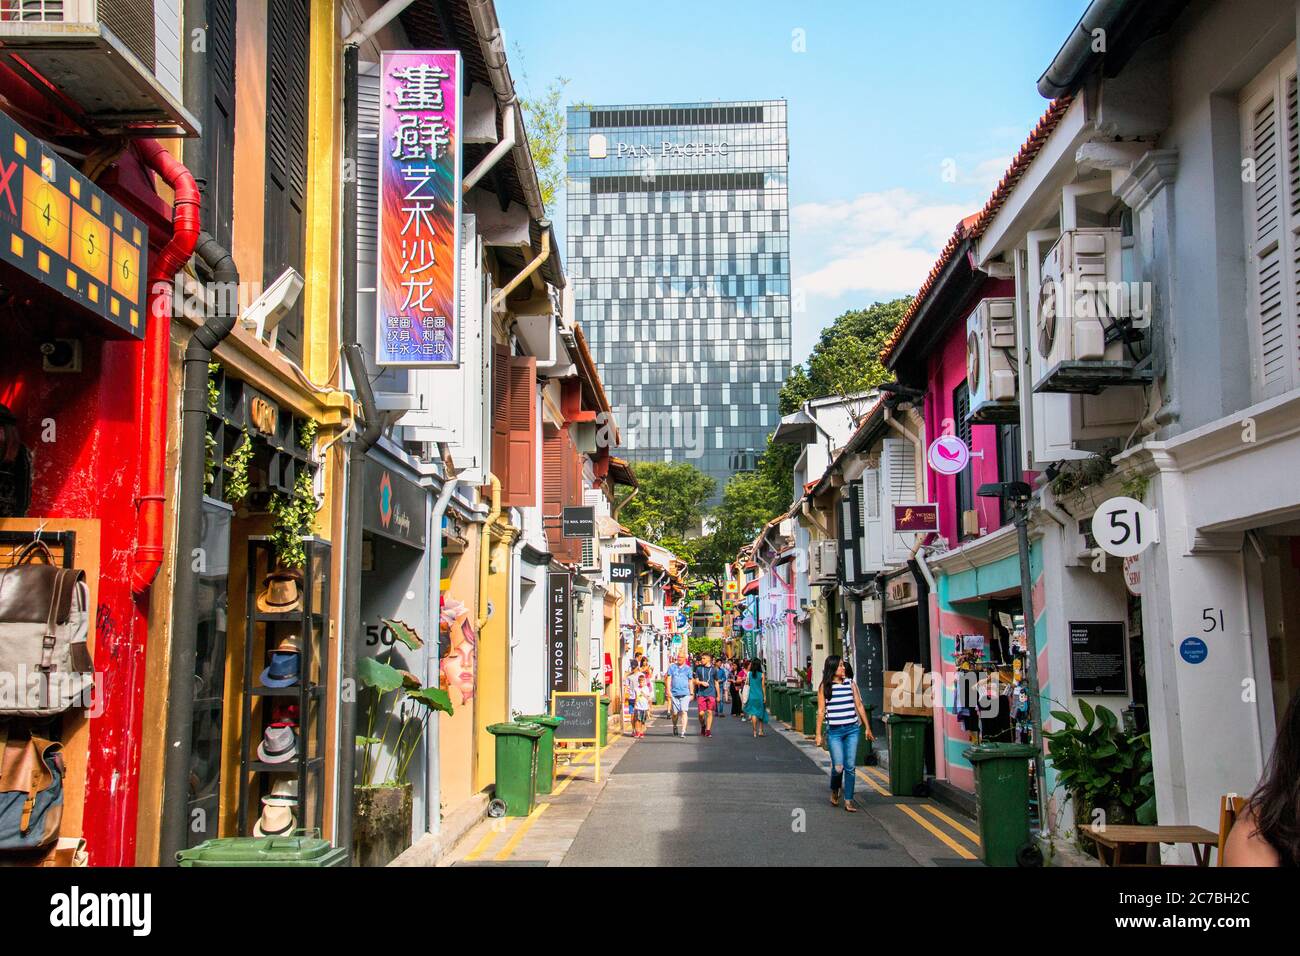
(997, 751)
(546, 720)
(905, 718)
(265, 851)
(519, 730)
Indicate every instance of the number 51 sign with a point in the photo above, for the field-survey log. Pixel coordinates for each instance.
(1124, 527)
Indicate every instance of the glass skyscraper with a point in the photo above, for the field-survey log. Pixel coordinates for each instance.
(679, 255)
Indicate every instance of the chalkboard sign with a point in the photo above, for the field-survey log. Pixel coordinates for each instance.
(1097, 664)
(579, 712)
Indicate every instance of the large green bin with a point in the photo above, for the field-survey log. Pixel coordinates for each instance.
(545, 748)
(1002, 802)
(808, 702)
(516, 766)
(659, 693)
(781, 694)
(604, 720)
(906, 754)
(303, 850)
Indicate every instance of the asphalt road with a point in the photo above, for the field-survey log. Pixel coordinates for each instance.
(728, 799)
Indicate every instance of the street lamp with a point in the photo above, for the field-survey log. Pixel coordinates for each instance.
(1017, 494)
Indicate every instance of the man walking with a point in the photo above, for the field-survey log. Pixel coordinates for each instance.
(680, 684)
(706, 693)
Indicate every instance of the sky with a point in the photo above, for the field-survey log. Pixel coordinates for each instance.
(902, 116)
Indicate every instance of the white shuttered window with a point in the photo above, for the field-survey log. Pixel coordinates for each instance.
(1271, 172)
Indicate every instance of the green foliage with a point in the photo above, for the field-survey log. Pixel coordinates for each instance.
(1135, 487)
(846, 358)
(292, 521)
(209, 460)
(705, 645)
(544, 119)
(237, 484)
(1074, 477)
(214, 393)
(307, 432)
(1100, 766)
(404, 704)
(670, 503)
(749, 501)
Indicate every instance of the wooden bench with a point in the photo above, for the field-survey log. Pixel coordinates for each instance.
(1113, 841)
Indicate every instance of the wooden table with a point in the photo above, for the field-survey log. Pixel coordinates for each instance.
(1112, 841)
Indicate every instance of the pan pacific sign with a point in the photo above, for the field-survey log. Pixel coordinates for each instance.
(598, 147)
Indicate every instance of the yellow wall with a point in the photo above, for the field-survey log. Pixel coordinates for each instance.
(493, 665)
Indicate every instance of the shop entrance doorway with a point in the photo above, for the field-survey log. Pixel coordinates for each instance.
(1281, 573)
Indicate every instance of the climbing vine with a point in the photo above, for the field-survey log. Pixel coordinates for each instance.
(237, 483)
(292, 521)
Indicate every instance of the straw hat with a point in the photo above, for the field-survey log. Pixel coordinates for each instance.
(281, 591)
(276, 820)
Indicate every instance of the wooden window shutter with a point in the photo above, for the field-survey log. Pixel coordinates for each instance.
(1272, 200)
(500, 412)
(219, 122)
(554, 470)
(519, 485)
(287, 52)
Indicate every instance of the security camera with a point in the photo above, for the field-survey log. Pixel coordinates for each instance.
(266, 311)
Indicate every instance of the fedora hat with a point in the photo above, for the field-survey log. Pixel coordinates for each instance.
(276, 820)
(284, 792)
(282, 671)
(279, 744)
(290, 643)
(281, 591)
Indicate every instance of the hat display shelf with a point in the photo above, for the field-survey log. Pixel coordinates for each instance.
(288, 633)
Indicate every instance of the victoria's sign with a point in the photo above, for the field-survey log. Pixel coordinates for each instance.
(419, 208)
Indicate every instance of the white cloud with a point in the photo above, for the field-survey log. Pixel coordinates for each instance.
(881, 242)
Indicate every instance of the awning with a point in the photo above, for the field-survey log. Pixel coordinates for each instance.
(750, 588)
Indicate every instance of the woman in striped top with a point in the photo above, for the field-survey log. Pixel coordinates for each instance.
(841, 717)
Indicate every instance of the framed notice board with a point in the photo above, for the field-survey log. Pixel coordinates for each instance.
(580, 729)
(1097, 658)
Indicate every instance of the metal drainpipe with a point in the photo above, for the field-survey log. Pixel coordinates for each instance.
(433, 764)
(189, 528)
(361, 444)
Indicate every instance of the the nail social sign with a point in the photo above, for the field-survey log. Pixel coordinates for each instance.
(1123, 526)
(419, 209)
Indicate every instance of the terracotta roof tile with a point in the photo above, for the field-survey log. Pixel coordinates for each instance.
(972, 227)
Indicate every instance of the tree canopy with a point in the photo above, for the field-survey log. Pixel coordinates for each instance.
(846, 358)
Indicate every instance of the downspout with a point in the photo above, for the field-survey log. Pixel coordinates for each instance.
(619, 505)
(485, 551)
(506, 144)
(153, 439)
(433, 768)
(365, 438)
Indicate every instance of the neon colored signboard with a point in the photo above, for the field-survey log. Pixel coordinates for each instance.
(419, 209)
(64, 233)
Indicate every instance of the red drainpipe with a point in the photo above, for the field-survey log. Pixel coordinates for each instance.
(162, 271)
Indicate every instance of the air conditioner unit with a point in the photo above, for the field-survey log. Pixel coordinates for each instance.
(823, 561)
(991, 362)
(1083, 342)
(590, 558)
(116, 64)
(872, 611)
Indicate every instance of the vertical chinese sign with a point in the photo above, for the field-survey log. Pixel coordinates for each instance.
(419, 209)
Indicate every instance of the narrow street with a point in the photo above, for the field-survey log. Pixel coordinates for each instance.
(729, 800)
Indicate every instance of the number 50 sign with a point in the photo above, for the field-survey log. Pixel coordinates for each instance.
(1124, 527)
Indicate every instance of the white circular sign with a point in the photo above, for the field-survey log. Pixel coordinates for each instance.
(1123, 526)
(948, 454)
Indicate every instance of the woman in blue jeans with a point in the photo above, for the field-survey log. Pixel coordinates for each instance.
(841, 717)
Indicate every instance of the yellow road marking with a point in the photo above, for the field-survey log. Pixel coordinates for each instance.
(878, 774)
(872, 784)
(482, 845)
(504, 853)
(960, 828)
(952, 844)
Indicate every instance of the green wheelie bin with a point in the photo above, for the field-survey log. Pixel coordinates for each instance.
(783, 702)
(302, 849)
(907, 755)
(516, 766)
(604, 721)
(545, 748)
(659, 693)
(808, 701)
(1002, 803)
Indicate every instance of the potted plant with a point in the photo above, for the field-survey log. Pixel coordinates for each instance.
(1100, 767)
(398, 709)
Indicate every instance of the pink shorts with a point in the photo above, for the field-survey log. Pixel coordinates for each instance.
(706, 704)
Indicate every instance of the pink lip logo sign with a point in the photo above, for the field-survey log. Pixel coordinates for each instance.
(948, 455)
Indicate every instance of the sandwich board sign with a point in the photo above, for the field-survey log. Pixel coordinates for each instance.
(580, 729)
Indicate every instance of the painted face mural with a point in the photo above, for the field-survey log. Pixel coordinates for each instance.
(459, 661)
